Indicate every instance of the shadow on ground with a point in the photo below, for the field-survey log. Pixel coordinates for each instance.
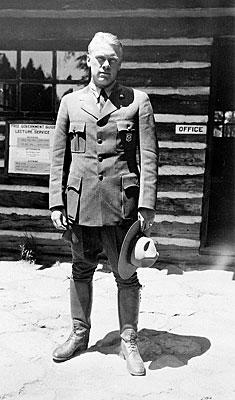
(163, 349)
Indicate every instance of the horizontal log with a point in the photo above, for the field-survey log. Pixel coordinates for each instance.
(179, 41)
(180, 170)
(167, 53)
(114, 4)
(143, 65)
(21, 29)
(24, 188)
(22, 198)
(180, 119)
(182, 219)
(179, 90)
(164, 104)
(177, 206)
(166, 131)
(29, 223)
(24, 179)
(178, 254)
(172, 144)
(11, 245)
(176, 230)
(181, 183)
(26, 211)
(179, 195)
(43, 260)
(195, 157)
(165, 77)
(75, 13)
(181, 242)
(191, 258)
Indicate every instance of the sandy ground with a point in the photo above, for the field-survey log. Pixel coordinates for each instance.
(186, 337)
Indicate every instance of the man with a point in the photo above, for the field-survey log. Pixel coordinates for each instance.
(104, 188)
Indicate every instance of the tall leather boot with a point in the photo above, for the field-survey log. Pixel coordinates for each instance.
(128, 309)
(80, 303)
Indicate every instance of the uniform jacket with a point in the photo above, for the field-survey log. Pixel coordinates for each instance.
(112, 153)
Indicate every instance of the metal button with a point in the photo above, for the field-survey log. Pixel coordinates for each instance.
(99, 141)
(100, 158)
(101, 177)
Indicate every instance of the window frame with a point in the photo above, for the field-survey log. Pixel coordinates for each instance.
(18, 113)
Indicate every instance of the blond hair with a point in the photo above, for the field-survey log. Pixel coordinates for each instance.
(108, 38)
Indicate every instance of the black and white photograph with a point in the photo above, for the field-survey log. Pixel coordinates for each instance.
(117, 199)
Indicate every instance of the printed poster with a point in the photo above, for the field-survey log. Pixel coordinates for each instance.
(30, 148)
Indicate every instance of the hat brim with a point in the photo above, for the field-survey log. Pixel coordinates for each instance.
(125, 268)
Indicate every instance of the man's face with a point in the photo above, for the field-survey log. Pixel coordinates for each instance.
(105, 62)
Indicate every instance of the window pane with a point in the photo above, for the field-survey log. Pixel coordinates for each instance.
(7, 64)
(229, 124)
(224, 124)
(218, 123)
(36, 65)
(36, 98)
(7, 97)
(71, 65)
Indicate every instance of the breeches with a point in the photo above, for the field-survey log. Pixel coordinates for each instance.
(88, 242)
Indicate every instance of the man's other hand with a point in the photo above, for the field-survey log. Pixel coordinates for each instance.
(59, 220)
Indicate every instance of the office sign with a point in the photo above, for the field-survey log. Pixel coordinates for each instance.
(190, 129)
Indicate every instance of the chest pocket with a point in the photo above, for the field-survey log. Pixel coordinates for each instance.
(127, 135)
(77, 133)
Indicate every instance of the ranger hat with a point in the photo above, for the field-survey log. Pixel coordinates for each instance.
(137, 250)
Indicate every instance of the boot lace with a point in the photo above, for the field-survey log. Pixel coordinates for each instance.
(132, 343)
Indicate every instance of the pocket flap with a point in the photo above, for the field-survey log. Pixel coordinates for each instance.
(73, 197)
(76, 127)
(125, 125)
(129, 180)
(74, 183)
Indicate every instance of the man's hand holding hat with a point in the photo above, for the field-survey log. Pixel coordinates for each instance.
(146, 218)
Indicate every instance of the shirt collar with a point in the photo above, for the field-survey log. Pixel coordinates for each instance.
(96, 90)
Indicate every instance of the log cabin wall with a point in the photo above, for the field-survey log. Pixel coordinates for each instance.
(167, 53)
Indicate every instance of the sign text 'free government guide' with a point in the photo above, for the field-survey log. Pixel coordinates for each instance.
(30, 148)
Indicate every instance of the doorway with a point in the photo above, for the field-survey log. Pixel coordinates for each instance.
(218, 226)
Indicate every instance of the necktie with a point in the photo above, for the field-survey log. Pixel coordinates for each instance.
(102, 98)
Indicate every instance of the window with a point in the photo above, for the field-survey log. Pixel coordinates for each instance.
(32, 83)
(224, 124)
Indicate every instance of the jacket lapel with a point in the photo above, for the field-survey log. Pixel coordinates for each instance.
(88, 103)
(112, 104)
(108, 108)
